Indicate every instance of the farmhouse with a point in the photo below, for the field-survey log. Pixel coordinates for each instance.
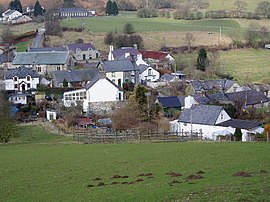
(83, 52)
(9, 15)
(123, 53)
(21, 79)
(21, 19)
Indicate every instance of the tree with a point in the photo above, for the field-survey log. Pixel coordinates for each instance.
(238, 134)
(18, 5)
(109, 8)
(65, 83)
(109, 38)
(38, 10)
(52, 24)
(202, 60)
(115, 8)
(11, 5)
(128, 28)
(7, 126)
(200, 4)
(189, 38)
(252, 35)
(240, 6)
(68, 3)
(263, 8)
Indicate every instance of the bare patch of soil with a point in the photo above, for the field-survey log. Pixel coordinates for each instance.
(262, 171)
(124, 176)
(116, 176)
(194, 177)
(124, 183)
(90, 185)
(97, 179)
(242, 174)
(101, 184)
(200, 172)
(114, 183)
(174, 174)
(139, 180)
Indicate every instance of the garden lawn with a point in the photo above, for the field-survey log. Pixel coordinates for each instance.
(23, 46)
(47, 171)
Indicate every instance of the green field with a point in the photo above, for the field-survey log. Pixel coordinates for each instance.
(112, 24)
(228, 4)
(52, 168)
(22, 46)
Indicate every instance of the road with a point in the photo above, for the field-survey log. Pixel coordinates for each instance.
(38, 40)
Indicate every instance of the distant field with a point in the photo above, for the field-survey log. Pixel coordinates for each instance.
(19, 29)
(228, 4)
(51, 168)
(116, 24)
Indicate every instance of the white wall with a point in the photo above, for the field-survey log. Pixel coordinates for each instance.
(223, 116)
(114, 77)
(153, 77)
(9, 83)
(103, 91)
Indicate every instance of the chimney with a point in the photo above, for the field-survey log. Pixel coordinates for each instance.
(127, 55)
(135, 46)
(102, 74)
(189, 101)
(110, 55)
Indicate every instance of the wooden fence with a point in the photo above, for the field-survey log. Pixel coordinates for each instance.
(126, 137)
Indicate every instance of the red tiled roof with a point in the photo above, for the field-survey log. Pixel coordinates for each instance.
(84, 121)
(154, 54)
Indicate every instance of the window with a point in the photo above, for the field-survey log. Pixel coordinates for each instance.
(28, 85)
(113, 74)
(222, 116)
(58, 68)
(15, 78)
(150, 72)
(39, 69)
(28, 78)
(16, 86)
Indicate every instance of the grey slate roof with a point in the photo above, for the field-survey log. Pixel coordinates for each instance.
(119, 66)
(47, 49)
(167, 77)
(81, 46)
(75, 75)
(98, 77)
(243, 124)
(248, 97)
(21, 72)
(120, 52)
(73, 10)
(7, 57)
(171, 101)
(201, 114)
(222, 84)
(41, 58)
(201, 99)
(10, 12)
(142, 68)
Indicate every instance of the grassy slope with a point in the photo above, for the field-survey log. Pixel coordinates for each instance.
(22, 46)
(52, 172)
(228, 4)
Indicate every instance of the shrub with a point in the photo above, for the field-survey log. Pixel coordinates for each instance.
(238, 134)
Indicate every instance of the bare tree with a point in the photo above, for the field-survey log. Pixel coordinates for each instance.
(240, 6)
(189, 39)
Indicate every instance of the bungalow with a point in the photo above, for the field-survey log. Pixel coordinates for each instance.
(158, 59)
(74, 78)
(171, 104)
(21, 19)
(121, 71)
(148, 73)
(43, 62)
(100, 94)
(83, 52)
(19, 98)
(21, 79)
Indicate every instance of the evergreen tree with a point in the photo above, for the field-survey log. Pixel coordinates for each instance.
(11, 5)
(18, 5)
(68, 3)
(109, 8)
(115, 8)
(65, 83)
(38, 9)
(202, 60)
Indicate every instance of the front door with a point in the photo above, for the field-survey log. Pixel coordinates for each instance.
(23, 87)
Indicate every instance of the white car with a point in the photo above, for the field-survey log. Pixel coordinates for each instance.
(267, 46)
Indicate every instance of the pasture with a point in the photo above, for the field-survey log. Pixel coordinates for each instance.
(37, 166)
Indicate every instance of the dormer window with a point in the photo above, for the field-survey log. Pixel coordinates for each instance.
(28, 77)
(78, 51)
(15, 78)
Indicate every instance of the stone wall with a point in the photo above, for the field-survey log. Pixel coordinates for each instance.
(104, 108)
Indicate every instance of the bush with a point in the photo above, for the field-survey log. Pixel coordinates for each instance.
(238, 134)
(147, 13)
(124, 40)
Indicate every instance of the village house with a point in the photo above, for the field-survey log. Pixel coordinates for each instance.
(6, 58)
(21, 79)
(21, 19)
(44, 62)
(171, 104)
(98, 95)
(19, 98)
(244, 99)
(121, 71)
(15, 17)
(123, 53)
(211, 121)
(74, 13)
(198, 87)
(148, 73)
(74, 78)
(158, 59)
(83, 52)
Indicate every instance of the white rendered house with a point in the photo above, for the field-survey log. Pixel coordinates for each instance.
(21, 79)
(148, 73)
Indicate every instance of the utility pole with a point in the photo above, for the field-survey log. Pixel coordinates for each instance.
(220, 36)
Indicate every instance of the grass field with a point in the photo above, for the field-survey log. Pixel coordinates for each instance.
(22, 46)
(228, 4)
(51, 168)
(245, 65)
